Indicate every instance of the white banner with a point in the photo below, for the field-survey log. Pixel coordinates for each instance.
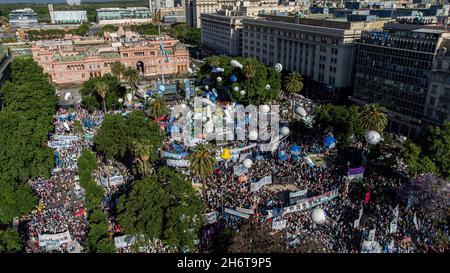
(279, 224)
(372, 235)
(67, 138)
(211, 217)
(298, 193)
(239, 170)
(308, 203)
(124, 241)
(54, 239)
(266, 180)
(246, 211)
(393, 227)
(177, 163)
(238, 150)
(116, 180)
(237, 213)
(370, 247)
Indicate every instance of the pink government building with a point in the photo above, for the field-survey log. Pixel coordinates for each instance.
(75, 59)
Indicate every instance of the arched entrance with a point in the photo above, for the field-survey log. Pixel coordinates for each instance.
(140, 67)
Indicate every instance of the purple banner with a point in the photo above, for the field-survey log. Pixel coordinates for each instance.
(355, 171)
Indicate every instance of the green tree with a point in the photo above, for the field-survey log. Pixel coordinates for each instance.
(437, 147)
(202, 164)
(158, 107)
(106, 245)
(164, 206)
(417, 163)
(10, 241)
(373, 117)
(131, 76)
(256, 237)
(102, 89)
(118, 70)
(92, 99)
(293, 83)
(83, 29)
(16, 199)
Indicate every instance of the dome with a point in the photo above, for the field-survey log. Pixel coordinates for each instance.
(372, 137)
(301, 111)
(248, 163)
(285, 131)
(253, 135)
(318, 216)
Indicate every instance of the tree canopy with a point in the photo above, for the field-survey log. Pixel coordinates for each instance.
(92, 99)
(164, 206)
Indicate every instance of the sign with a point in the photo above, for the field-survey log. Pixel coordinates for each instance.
(370, 247)
(372, 235)
(308, 203)
(116, 180)
(393, 225)
(177, 163)
(65, 137)
(239, 170)
(54, 239)
(246, 211)
(355, 173)
(298, 193)
(165, 154)
(237, 213)
(279, 224)
(211, 217)
(266, 180)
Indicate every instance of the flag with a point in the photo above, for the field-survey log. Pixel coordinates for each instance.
(367, 198)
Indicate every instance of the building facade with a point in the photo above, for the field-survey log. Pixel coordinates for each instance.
(23, 18)
(131, 15)
(68, 17)
(222, 32)
(394, 69)
(77, 59)
(320, 50)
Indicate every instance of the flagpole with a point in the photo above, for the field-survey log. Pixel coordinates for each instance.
(160, 41)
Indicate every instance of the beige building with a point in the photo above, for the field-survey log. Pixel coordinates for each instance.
(320, 49)
(76, 59)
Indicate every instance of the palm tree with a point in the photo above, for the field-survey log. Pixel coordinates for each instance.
(214, 61)
(202, 162)
(118, 70)
(141, 153)
(102, 89)
(131, 76)
(373, 117)
(158, 107)
(249, 70)
(293, 83)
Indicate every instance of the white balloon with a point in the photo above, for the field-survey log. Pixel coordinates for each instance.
(242, 92)
(219, 79)
(236, 88)
(190, 70)
(301, 111)
(268, 86)
(265, 108)
(372, 137)
(318, 216)
(285, 131)
(235, 64)
(278, 67)
(206, 87)
(120, 100)
(248, 163)
(204, 118)
(66, 125)
(67, 96)
(253, 135)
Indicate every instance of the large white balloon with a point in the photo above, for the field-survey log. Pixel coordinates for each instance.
(67, 95)
(265, 108)
(66, 125)
(219, 79)
(268, 86)
(253, 135)
(301, 111)
(236, 88)
(285, 131)
(190, 70)
(278, 67)
(372, 137)
(120, 100)
(318, 216)
(236, 64)
(242, 92)
(248, 163)
(206, 87)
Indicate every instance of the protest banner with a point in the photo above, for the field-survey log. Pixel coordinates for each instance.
(177, 163)
(266, 180)
(54, 239)
(116, 180)
(239, 170)
(211, 217)
(370, 247)
(355, 173)
(371, 236)
(236, 213)
(246, 211)
(308, 203)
